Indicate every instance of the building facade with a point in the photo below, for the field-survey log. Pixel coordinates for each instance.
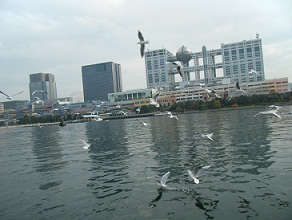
(100, 79)
(239, 61)
(157, 68)
(42, 82)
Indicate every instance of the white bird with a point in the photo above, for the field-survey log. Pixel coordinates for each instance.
(144, 123)
(86, 145)
(142, 43)
(162, 181)
(40, 125)
(195, 175)
(178, 68)
(172, 116)
(253, 71)
(212, 93)
(38, 91)
(275, 106)
(38, 100)
(269, 112)
(209, 136)
(154, 100)
(10, 97)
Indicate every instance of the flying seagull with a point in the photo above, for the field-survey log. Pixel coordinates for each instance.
(162, 181)
(170, 115)
(209, 136)
(144, 123)
(142, 43)
(86, 145)
(269, 112)
(212, 93)
(253, 71)
(196, 174)
(178, 67)
(38, 91)
(238, 88)
(154, 100)
(10, 97)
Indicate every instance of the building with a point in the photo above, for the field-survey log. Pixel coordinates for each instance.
(157, 68)
(100, 79)
(233, 60)
(44, 86)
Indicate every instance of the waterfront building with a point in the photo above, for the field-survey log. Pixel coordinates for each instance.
(44, 82)
(101, 79)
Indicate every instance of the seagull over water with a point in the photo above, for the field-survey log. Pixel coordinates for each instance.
(142, 43)
(196, 174)
(10, 97)
(162, 181)
(170, 115)
(178, 68)
(209, 136)
(144, 123)
(38, 91)
(86, 145)
(269, 112)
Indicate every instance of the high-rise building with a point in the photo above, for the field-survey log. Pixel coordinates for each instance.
(240, 58)
(44, 86)
(157, 68)
(238, 62)
(100, 79)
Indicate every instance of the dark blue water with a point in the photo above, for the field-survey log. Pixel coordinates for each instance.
(46, 174)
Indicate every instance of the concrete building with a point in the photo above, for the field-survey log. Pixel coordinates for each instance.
(42, 82)
(100, 79)
(239, 61)
(157, 68)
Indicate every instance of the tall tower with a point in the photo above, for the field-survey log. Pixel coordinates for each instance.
(157, 68)
(42, 82)
(100, 79)
(184, 55)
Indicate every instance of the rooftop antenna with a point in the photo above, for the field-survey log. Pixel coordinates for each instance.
(257, 35)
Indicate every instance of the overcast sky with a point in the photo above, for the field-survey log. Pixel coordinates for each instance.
(59, 37)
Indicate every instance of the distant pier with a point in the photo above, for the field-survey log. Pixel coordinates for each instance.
(112, 117)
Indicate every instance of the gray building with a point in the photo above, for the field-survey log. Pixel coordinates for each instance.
(157, 68)
(44, 86)
(100, 79)
(240, 62)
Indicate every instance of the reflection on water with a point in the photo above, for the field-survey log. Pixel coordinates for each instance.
(47, 174)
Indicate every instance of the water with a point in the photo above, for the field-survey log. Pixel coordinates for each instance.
(46, 174)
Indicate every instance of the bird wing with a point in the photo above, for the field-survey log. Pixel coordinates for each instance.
(164, 178)
(17, 93)
(276, 115)
(156, 95)
(237, 85)
(141, 38)
(142, 48)
(4, 94)
(191, 175)
(178, 70)
(84, 142)
(202, 169)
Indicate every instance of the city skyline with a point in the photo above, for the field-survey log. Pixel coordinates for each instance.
(61, 37)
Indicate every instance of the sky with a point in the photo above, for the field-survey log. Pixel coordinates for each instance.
(59, 37)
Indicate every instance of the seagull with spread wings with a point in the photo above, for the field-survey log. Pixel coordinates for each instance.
(142, 43)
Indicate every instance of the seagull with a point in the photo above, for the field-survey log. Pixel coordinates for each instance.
(162, 181)
(86, 145)
(10, 97)
(172, 116)
(38, 91)
(178, 67)
(142, 42)
(209, 136)
(154, 100)
(138, 110)
(212, 93)
(269, 112)
(275, 106)
(253, 71)
(40, 125)
(195, 175)
(238, 88)
(38, 100)
(144, 123)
